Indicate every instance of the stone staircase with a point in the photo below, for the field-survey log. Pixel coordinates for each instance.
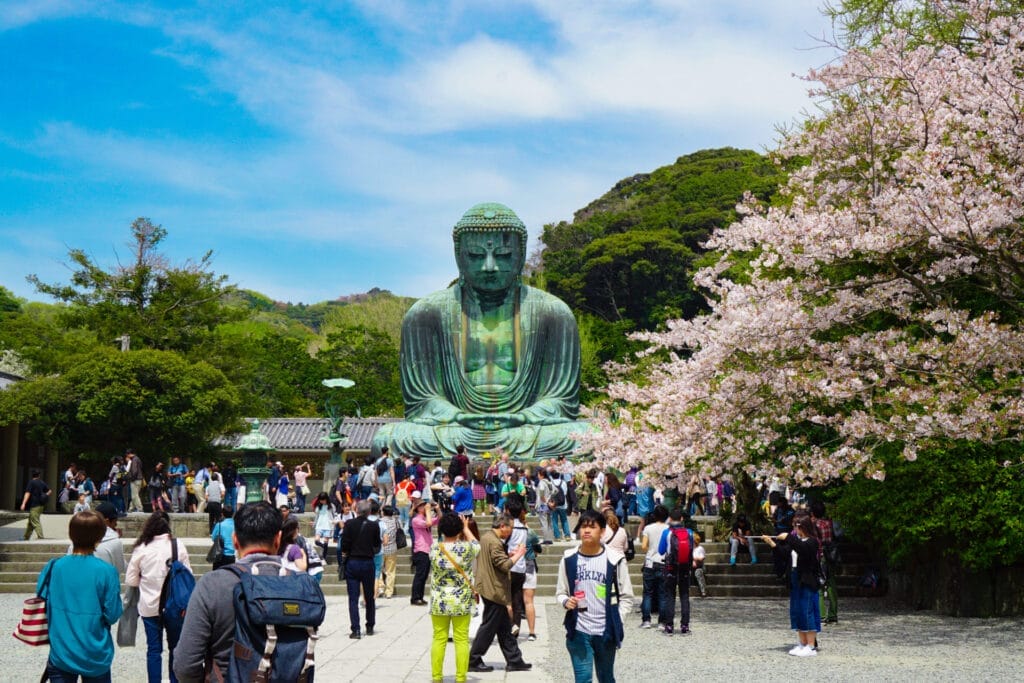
(21, 562)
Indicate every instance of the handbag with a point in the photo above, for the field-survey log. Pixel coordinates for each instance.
(216, 552)
(128, 624)
(400, 540)
(34, 629)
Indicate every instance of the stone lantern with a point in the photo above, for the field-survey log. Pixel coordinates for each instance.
(254, 447)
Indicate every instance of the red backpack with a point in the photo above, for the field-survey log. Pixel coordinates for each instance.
(682, 543)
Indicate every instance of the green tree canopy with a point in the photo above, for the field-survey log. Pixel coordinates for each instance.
(627, 256)
(158, 305)
(154, 400)
(368, 357)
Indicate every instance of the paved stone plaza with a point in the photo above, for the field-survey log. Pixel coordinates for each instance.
(732, 640)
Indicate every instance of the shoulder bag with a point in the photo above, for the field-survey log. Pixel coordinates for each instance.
(216, 553)
(460, 570)
(34, 629)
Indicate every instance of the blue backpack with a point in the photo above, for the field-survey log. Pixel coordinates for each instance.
(174, 596)
(276, 621)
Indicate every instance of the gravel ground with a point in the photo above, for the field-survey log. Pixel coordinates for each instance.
(746, 640)
(732, 640)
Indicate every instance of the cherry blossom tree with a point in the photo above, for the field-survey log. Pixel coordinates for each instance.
(877, 309)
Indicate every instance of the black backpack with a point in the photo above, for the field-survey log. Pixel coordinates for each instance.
(399, 470)
(382, 465)
(276, 621)
(558, 497)
(454, 469)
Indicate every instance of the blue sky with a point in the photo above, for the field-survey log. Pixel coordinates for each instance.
(324, 148)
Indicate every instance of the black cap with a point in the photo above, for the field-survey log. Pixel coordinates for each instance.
(107, 510)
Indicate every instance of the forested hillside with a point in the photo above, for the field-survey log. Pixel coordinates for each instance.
(626, 260)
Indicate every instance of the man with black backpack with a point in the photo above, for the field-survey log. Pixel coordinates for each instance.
(677, 544)
(223, 643)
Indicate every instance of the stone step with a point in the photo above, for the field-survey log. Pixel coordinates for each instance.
(20, 563)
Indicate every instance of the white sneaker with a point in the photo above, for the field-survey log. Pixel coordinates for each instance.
(645, 624)
(808, 651)
(797, 650)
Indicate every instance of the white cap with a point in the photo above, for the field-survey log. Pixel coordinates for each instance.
(459, 478)
(417, 494)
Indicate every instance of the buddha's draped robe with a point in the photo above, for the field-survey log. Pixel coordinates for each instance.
(435, 388)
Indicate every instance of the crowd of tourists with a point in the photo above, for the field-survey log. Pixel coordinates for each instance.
(486, 570)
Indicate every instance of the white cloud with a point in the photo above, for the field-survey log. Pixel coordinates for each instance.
(18, 13)
(111, 153)
(482, 80)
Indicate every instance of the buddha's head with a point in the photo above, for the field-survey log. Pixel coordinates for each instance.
(490, 247)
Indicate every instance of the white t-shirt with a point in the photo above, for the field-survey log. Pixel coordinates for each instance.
(699, 554)
(591, 578)
(652, 532)
(520, 534)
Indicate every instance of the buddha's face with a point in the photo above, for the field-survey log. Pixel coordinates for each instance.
(490, 261)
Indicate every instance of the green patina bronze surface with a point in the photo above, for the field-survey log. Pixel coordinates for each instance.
(488, 362)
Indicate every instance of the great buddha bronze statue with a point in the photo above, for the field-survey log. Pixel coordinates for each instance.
(488, 362)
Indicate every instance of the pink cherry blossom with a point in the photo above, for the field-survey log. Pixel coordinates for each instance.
(858, 327)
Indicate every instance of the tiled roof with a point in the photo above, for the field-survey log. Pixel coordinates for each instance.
(307, 433)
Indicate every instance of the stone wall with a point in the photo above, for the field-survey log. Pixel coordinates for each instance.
(944, 585)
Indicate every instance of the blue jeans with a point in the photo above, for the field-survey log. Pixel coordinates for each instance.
(359, 573)
(231, 497)
(560, 523)
(675, 580)
(804, 609)
(630, 503)
(591, 655)
(300, 499)
(154, 651)
(652, 591)
(116, 498)
(60, 676)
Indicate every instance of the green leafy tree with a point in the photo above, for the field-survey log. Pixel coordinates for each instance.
(8, 302)
(641, 276)
(627, 258)
(37, 337)
(368, 357)
(273, 371)
(157, 305)
(963, 503)
(156, 401)
(865, 23)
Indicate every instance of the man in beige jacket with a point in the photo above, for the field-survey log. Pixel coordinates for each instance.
(494, 585)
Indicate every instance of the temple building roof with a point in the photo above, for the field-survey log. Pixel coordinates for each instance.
(307, 433)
